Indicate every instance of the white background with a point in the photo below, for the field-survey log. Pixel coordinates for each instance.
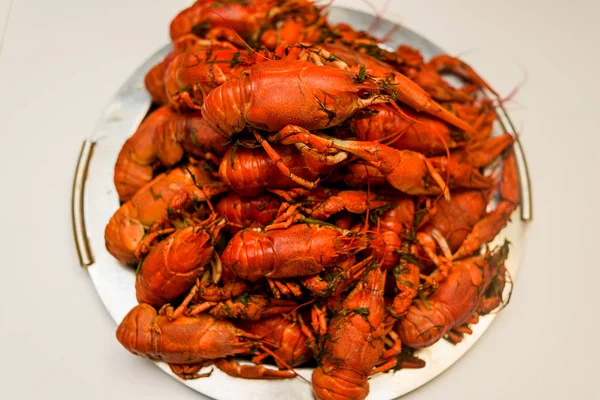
(61, 62)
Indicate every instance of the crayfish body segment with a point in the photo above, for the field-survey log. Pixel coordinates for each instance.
(188, 343)
(250, 172)
(355, 342)
(185, 340)
(241, 212)
(298, 251)
(313, 97)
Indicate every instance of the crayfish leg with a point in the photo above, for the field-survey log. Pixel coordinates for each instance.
(235, 369)
(407, 277)
(171, 315)
(293, 134)
(396, 346)
(407, 361)
(327, 159)
(309, 145)
(190, 371)
(464, 329)
(285, 288)
(387, 365)
(428, 242)
(287, 216)
(318, 320)
(486, 229)
(144, 246)
(216, 268)
(294, 288)
(278, 161)
(184, 101)
(199, 308)
(437, 178)
(257, 359)
(357, 270)
(389, 359)
(311, 340)
(456, 335)
(275, 289)
(454, 338)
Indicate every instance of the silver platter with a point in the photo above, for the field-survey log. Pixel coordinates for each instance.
(95, 200)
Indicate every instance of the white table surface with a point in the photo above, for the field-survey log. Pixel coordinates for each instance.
(61, 62)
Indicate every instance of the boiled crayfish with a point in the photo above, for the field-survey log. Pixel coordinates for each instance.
(302, 195)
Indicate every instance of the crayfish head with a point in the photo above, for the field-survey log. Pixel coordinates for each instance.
(366, 89)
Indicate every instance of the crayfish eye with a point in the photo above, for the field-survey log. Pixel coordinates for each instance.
(364, 93)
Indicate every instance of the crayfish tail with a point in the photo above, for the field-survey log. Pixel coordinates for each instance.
(339, 384)
(135, 333)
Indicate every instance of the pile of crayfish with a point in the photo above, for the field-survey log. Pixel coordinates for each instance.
(301, 196)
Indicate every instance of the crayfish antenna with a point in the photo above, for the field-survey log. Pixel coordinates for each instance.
(377, 21)
(438, 179)
(282, 362)
(239, 37)
(403, 114)
(389, 33)
(378, 13)
(391, 138)
(368, 209)
(447, 182)
(325, 5)
(513, 93)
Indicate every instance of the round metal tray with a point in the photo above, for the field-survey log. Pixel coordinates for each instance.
(95, 200)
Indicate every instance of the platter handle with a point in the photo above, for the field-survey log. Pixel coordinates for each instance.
(86, 257)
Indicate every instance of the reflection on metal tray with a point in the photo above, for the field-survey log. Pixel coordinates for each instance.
(95, 200)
